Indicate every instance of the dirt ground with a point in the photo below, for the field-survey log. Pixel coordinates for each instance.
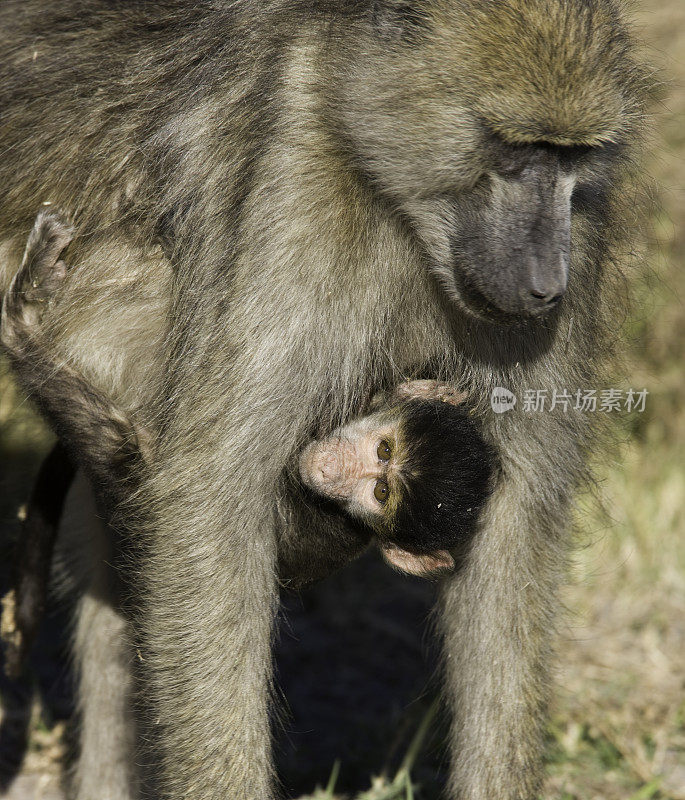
(355, 665)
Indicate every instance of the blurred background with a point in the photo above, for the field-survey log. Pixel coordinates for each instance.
(355, 666)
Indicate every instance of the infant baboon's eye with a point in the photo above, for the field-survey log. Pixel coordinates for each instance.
(384, 451)
(381, 491)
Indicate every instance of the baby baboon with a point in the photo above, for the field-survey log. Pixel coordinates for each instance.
(324, 200)
(416, 472)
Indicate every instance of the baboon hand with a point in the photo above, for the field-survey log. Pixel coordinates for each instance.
(429, 390)
(425, 565)
(39, 276)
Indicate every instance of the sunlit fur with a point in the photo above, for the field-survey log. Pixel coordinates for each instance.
(264, 194)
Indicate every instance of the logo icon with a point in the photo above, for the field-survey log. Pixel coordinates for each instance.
(502, 400)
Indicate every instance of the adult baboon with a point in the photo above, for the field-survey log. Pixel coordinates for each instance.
(281, 208)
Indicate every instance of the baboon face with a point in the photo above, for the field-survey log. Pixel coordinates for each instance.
(502, 247)
(489, 125)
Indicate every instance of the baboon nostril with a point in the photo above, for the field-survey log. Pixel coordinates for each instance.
(549, 298)
(328, 468)
(538, 301)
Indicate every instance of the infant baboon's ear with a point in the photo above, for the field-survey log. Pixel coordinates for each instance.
(423, 565)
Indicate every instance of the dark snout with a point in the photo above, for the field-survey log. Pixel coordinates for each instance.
(542, 282)
(519, 260)
(526, 277)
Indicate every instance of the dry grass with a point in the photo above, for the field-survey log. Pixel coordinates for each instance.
(619, 724)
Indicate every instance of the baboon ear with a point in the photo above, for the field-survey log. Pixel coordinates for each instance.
(397, 18)
(427, 565)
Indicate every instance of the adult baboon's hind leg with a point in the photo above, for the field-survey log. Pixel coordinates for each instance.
(106, 766)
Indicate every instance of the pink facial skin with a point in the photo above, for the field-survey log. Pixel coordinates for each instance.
(345, 466)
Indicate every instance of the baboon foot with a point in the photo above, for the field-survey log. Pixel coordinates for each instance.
(39, 276)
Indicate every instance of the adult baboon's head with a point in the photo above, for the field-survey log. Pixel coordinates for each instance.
(491, 126)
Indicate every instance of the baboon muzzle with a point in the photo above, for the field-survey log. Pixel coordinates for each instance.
(519, 262)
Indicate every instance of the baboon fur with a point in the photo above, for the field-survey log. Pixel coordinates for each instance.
(281, 208)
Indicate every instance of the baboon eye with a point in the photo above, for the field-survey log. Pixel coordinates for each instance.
(384, 451)
(381, 491)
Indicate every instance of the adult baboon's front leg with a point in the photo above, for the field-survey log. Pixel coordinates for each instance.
(498, 618)
(209, 590)
(209, 586)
